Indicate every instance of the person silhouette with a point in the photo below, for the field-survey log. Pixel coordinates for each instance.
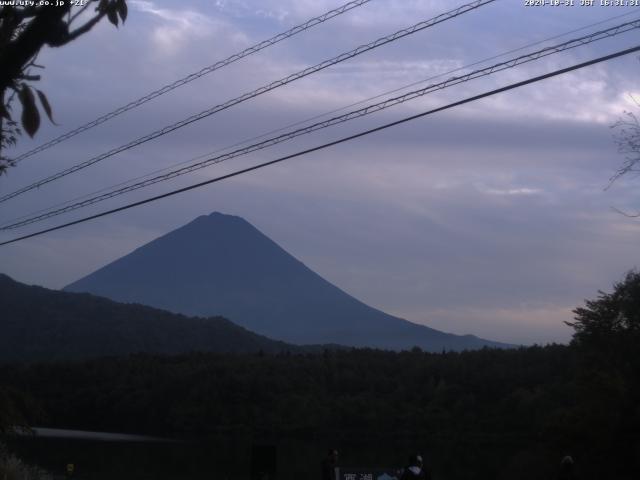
(330, 465)
(415, 469)
(566, 471)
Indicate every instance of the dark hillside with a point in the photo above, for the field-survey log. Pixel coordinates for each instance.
(41, 324)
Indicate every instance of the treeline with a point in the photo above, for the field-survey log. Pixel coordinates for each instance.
(534, 404)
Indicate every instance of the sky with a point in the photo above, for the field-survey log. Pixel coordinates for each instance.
(493, 218)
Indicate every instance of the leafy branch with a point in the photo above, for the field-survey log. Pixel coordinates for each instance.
(24, 31)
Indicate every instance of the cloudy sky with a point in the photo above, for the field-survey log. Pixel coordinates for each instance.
(490, 219)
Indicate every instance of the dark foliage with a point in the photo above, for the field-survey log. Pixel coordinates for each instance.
(527, 406)
(24, 30)
(15, 407)
(613, 319)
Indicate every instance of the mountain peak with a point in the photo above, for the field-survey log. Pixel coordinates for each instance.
(220, 264)
(221, 222)
(217, 217)
(220, 215)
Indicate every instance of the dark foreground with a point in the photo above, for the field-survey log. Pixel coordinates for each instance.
(484, 414)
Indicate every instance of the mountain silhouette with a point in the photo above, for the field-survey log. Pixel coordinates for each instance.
(222, 265)
(38, 324)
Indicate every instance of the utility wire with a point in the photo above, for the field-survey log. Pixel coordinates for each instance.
(596, 36)
(264, 89)
(315, 117)
(194, 76)
(333, 143)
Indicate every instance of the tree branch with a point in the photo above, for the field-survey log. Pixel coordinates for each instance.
(30, 78)
(41, 30)
(82, 30)
(20, 13)
(626, 214)
(78, 13)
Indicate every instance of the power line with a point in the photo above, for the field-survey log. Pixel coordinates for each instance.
(264, 89)
(194, 76)
(584, 40)
(333, 143)
(315, 117)
(333, 121)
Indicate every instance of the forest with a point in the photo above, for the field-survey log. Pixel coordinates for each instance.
(504, 412)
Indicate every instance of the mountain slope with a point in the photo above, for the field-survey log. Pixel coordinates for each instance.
(41, 324)
(221, 265)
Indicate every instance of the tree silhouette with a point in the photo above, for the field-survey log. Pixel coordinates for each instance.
(627, 139)
(612, 321)
(14, 406)
(24, 30)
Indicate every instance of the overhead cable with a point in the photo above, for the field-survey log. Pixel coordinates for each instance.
(483, 72)
(330, 144)
(194, 76)
(315, 117)
(264, 89)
